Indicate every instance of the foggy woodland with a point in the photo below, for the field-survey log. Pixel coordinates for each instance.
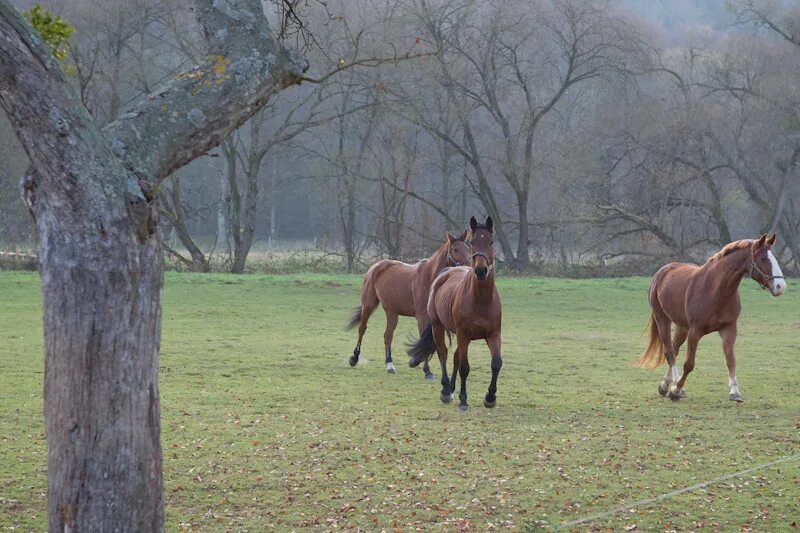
(594, 133)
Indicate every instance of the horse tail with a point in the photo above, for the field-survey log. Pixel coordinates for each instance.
(423, 348)
(369, 297)
(653, 356)
(355, 319)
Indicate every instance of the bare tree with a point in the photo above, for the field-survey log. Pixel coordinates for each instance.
(512, 66)
(172, 207)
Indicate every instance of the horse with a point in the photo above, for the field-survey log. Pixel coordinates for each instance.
(464, 300)
(703, 299)
(402, 289)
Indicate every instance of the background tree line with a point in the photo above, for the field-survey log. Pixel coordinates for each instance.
(593, 132)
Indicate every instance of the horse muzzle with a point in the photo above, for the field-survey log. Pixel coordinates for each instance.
(777, 286)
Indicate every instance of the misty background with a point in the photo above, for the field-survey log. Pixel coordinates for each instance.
(601, 136)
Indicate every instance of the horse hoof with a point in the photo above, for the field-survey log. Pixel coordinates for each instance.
(463, 407)
(430, 377)
(663, 388)
(353, 360)
(736, 397)
(489, 404)
(446, 398)
(676, 394)
(391, 371)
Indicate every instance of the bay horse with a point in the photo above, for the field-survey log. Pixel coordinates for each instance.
(700, 300)
(464, 300)
(402, 290)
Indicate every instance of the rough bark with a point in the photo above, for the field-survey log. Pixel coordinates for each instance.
(92, 197)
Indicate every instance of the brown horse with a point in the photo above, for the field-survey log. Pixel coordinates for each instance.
(402, 289)
(464, 301)
(700, 300)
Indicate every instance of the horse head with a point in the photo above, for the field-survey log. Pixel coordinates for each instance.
(482, 250)
(764, 266)
(457, 250)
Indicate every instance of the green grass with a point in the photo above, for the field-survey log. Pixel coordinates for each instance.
(265, 426)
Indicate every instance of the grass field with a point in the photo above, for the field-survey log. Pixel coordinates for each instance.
(266, 427)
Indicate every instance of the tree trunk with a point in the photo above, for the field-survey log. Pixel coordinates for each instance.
(790, 237)
(523, 257)
(247, 225)
(102, 332)
(350, 223)
(464, 187)
(92, 194)
(445, 153)
(273, 230)
(242, 250)
(199, 261)
(223, 229)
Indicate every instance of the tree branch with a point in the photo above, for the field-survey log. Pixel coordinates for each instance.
(192, 113)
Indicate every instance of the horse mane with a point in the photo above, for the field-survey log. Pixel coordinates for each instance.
(732, 247)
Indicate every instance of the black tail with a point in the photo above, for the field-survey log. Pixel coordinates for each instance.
(422, 349)
(355, 319)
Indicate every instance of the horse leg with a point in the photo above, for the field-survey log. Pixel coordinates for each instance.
(388, 335)
(366, 311)
(728, 335)
(456, 367)
(463, 369)
(497, 363)
(672, 355)
(664, 327)
(461, 347)
(426, 368)
(446, 395)
(676, 392)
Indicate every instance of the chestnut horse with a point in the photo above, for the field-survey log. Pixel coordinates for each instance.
(402, 289)
(700, 300)
(464, 301)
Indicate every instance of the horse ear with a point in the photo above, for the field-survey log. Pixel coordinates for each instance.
(463, 236)
(473, 224)
(450, 238)
(771, 240)
(489, 223)
(761, 241)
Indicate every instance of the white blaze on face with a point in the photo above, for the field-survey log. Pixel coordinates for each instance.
(779, 284)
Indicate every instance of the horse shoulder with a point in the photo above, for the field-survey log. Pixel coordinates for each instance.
(706, 306)
(450, 294)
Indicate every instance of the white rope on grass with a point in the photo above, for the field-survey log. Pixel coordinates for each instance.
(660, 497)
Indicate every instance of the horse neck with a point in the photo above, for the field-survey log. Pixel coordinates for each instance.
(483, 291)
(438, 260)
(731, 268)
